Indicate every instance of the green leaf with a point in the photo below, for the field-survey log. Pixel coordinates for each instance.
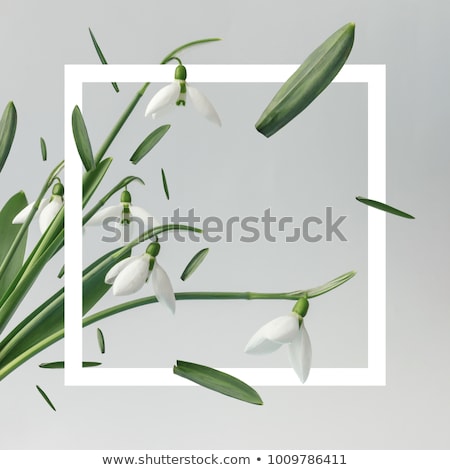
(8, 124)
(92, 179)
(310, 79)
(148, 143)
(384, 207)
(81, 137)
(217, 381)
(46, 398)
(164, 181)
(60, 364)
(8, 232)
(101, 56)
(101, 340)
(320, 290)
(195, 262)
(43, 149)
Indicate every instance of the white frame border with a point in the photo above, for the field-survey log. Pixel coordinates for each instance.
(374, 374)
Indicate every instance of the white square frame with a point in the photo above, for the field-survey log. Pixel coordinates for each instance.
(374, 374)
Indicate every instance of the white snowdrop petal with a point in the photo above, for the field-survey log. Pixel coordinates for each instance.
(164, 97)
(107, 212)
(23, 214)
(132, 277)
(48, 213)
(163, 287)
(117, 268)
(259, 344)
(300, 353)
(203, 105)
(282, 329)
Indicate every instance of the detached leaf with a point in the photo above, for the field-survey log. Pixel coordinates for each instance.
(46, 398)
(310, 79)
(384, 207)
(217, 381)
(195, 262)
(60, 364)
(81, 137)
(101, 56)
(8, 232)
(101, 340)
(8, 124)
(148, 143)
(164, 181)
(43, 150)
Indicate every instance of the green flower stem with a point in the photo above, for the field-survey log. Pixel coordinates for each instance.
(116, 129)
(89, 320)
(126, 114)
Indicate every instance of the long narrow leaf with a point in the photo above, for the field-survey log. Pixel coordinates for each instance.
(195, 262)
(46, 398)
(60, 364)
(101, 57)
(217, 381)
(8, 124)
(148, 143)
(81, 137)
(101, 340)
(384, 207)
(8, 232)
(165, 186)
(43, 149)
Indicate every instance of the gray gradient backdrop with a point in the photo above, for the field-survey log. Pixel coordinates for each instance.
(318, 161)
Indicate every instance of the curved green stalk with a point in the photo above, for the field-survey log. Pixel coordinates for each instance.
(57, 335)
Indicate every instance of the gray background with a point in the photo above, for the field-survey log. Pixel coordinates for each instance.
(318, 160)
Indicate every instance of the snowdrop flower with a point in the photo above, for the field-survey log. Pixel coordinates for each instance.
(287, 329)
(48, 208)
(130, 274)
(122, 215)
(177, 93)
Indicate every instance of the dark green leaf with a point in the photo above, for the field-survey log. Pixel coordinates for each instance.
(217, 381)
(92, 178)
(43, 149)
(94, 286)
(101, 56)
(60, 364)
(81, 137)
(8, 232)
(195, 262)
(310, 79)
(46, 398)
(164, 180)
(101, 340)
(8, 124)
(148, 143)
(384, 207)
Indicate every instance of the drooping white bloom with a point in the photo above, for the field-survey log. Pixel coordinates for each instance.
(177, 93)
(47, 210)
(122, 216)
(288, 329)
(129, 275)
